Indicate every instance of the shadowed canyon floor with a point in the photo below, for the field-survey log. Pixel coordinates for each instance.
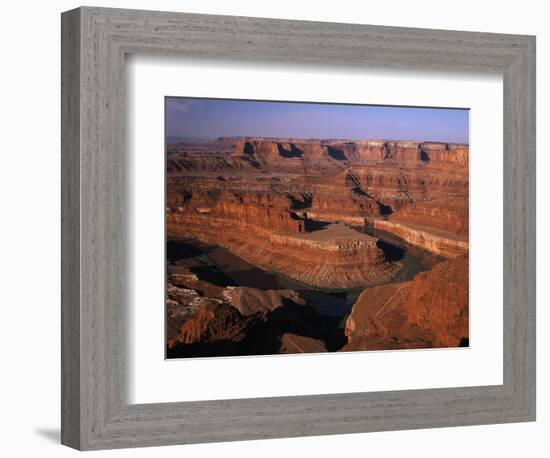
(301, 246)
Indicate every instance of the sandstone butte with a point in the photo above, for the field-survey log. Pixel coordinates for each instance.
(294, 207)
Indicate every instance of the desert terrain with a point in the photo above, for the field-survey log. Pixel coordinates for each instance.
(286, 245)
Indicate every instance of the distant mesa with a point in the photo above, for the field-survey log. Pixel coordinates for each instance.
(329, 217)
(309, 156)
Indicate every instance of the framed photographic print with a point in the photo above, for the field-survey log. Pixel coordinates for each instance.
(293, 228)
(286, 228)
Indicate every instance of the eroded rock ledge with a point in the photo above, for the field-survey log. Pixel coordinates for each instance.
(429, 311)
(285, 205)
(333, 257)
(223, 321)
(437, 242)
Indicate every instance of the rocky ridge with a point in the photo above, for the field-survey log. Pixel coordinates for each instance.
(300, 208)
(430, 311)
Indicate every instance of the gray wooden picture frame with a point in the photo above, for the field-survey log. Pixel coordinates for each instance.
(95, 412)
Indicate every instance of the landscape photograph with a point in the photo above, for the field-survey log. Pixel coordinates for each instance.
(299, 227)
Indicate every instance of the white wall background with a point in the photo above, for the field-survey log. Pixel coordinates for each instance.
(30, 209)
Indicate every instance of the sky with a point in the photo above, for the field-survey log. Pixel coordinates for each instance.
(212, 118)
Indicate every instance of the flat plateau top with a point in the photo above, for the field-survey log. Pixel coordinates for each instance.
(336, 232)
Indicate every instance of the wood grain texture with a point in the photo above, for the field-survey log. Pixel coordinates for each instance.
(70, 229)
(96, 413)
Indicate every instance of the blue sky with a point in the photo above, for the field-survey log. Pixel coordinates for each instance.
(211, 118)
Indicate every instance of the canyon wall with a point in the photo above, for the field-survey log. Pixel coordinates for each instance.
(430, 311)
(390, 172)
(208, 320)
(420, 188)
(445, 214)
(436, 242)
(333, 257)
(304, 209)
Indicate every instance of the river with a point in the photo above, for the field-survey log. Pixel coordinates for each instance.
(221, 267)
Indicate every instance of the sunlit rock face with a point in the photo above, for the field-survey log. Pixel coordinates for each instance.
(315, 212)
(277, 186)
(429, 311)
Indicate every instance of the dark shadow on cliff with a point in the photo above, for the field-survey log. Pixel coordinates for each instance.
(259, 340)
(249, 155)
(336, 153)
(249, 347)
(256, 278)
(289, 153)
(311, 225)
(383, 209)
(424, 156)
(211, 274)
(357, 190)
(303, 320)
(264, 335)
(177, 250)
(301, 202)
(392, 253)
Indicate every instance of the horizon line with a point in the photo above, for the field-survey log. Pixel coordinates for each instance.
(267, 137)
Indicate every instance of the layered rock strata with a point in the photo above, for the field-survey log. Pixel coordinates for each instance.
(429, 311)
(333, 257)
(416, 184)
(438, 242)
(446, 214)
(286, 206)
(246, 321)
(372, 172)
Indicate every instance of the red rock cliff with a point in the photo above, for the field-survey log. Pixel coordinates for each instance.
(430, 311)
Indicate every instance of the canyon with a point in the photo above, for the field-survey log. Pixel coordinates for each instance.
(282, 245)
